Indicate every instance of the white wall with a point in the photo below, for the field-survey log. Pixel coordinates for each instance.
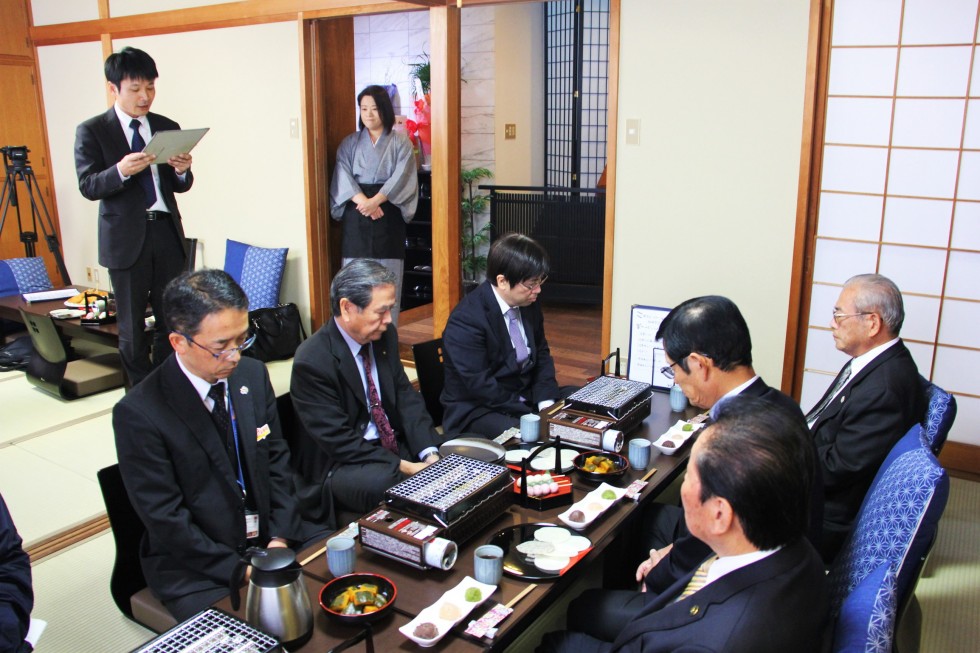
(706, 203)
(241, 82)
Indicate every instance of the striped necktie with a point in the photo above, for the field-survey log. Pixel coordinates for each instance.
(840, 382)
(698, 580)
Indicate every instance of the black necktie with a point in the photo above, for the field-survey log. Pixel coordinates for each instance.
(144, 178)
(219, 414)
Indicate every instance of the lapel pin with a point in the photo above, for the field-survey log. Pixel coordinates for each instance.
(842, 399)
(244, 390)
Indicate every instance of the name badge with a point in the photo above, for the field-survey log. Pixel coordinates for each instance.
(262, 432)
(251, 524)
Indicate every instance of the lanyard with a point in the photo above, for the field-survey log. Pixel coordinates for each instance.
(234, 435)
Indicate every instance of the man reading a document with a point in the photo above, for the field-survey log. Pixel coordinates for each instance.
(141, 240)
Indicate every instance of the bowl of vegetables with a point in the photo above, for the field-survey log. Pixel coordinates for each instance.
(599, 466)
(358, 598)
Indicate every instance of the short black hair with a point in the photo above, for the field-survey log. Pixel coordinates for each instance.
(192, 296)
(711, 326)
(757, 456)
(130, 63)
(383, 101)
(517, 257)
(356, 281)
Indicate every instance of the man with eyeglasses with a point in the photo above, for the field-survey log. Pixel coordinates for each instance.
(708, 349)
(871, 404)
(201, 451)
(497, 362)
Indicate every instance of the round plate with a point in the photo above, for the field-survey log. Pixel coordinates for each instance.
(486, 450)
(516, 455)
(516, 564)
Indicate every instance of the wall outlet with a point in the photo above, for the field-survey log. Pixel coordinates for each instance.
(510, 131)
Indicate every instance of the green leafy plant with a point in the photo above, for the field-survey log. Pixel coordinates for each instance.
(420, 71)
(473, 239)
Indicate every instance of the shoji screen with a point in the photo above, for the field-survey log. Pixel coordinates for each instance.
(900, 186)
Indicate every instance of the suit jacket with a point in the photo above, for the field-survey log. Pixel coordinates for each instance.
(482, 374)
(100, 143)
(780, 603)
(689, 552)
(180, 479)
(333, 414)
(860, 426)
(16, 593)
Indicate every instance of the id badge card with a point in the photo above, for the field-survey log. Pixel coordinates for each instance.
(251, 524)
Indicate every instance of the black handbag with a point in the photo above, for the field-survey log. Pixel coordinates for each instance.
(278, 332)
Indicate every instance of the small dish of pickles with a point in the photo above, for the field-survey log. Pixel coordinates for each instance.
(358, 598)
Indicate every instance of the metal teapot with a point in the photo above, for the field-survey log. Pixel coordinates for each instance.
(277, 601)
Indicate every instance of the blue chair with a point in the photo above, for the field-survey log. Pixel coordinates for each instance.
(258, 270)
(893, 532)
(20, 275)
(940, 413)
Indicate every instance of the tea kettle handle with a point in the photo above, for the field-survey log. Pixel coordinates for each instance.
(238, 575)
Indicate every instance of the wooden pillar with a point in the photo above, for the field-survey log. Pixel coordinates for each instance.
(444, 42)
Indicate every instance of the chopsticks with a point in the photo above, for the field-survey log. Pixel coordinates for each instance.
(649, 474)
(313, 556)
(527, 590)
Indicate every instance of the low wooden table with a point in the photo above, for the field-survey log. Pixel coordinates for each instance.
(107, 334)
(419, 589)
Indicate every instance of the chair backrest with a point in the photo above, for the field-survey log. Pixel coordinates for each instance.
(432, 377)
(47, 365)
(940, 413)
(127, 531)
(20, 275)
(894, 528)
(258, 270)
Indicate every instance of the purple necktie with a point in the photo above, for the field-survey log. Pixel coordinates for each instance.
(513, 315)
(377, 410)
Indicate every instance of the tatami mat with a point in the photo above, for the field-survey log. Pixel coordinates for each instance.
(72, 594)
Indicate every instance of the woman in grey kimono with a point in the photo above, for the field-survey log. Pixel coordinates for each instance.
(375, 188)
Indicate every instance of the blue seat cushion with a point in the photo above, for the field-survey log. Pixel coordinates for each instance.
(258, 270)
(866, 623)
(20, 275)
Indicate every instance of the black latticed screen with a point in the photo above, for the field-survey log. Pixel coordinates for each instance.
(576, 71)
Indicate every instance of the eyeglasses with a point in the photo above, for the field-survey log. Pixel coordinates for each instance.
(534, 285)
(224, 353)
(839, 317)
(668, 370)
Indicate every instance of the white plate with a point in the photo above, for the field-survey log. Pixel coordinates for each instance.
(516, 455)
(546, 461)
(456, 596)
(677, 435)
(592, 505)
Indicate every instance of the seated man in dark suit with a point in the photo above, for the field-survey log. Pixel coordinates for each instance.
(707, 343)
(201, 452)
(871, 404)
(746, 495)
(16, 591)
(497, 362)
(364, 427)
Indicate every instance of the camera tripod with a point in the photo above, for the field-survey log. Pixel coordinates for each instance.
(19, 168)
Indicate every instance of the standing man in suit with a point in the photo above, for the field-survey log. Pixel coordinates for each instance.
(497, 362)
(709, 350)
(873, 402)
(745, 494)
(141, 239)
(201, 451)
(364, 428)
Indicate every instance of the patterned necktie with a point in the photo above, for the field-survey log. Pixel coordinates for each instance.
(513, 315)
(698, 580)
(377, 410)
(842, 378)
(219, 413)
(145, 177)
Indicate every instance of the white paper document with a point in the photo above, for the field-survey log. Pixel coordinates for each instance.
(170, 143)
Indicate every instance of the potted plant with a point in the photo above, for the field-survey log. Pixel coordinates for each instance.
(472, 239)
